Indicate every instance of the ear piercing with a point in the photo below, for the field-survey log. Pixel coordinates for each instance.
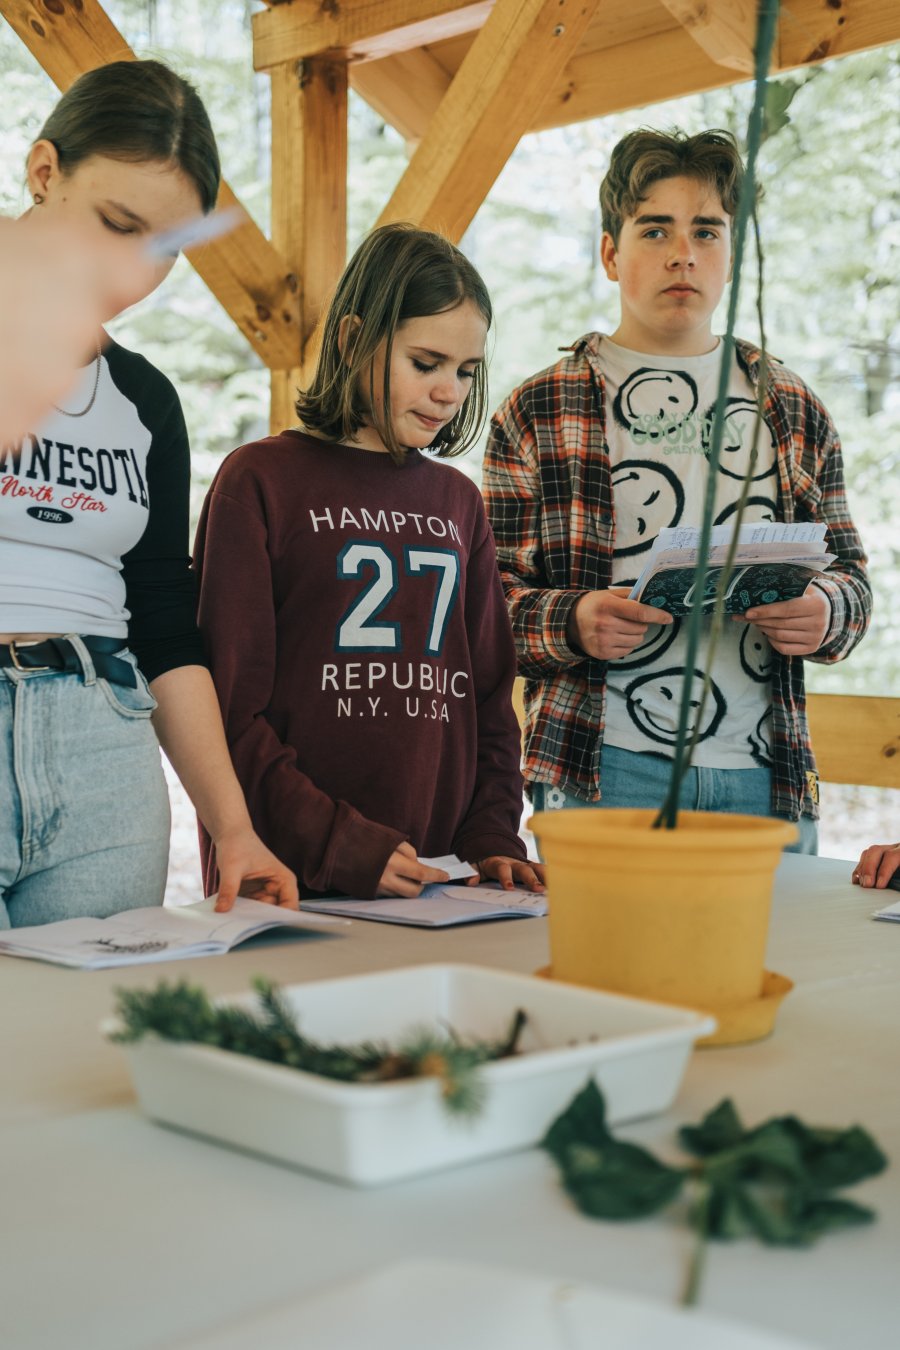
(38, 199)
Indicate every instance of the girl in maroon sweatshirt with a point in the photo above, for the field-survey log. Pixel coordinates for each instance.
(350, 600)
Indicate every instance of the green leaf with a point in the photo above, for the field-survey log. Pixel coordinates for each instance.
(771, 1219)
(764, 1153)
(722, 1215)
(721, 1128)
(582, 1122)
(779, 96)
(834, 1158)
(820, 1214)
(606, 1178)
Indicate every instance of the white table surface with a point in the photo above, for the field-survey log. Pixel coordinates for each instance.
(117, 1234)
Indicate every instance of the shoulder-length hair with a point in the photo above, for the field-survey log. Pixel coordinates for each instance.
(399, 272)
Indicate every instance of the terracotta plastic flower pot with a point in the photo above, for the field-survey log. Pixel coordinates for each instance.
(681, 916)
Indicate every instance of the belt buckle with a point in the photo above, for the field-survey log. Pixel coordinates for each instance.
(26, 670)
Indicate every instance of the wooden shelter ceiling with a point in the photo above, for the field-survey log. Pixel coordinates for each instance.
(632, 52)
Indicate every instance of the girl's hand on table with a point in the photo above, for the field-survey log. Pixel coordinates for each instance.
(510, 872)
(405, 875)
(248, 868)
(877, 866)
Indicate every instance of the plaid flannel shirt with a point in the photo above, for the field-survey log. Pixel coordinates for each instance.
(550, 502)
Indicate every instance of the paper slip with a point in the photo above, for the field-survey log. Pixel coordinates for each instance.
(449, 863)
(137, 936)
(891, 913)
(439, 906)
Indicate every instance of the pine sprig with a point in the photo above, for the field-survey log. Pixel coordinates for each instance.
(183, 1012)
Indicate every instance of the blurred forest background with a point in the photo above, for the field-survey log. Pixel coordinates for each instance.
(830, 221)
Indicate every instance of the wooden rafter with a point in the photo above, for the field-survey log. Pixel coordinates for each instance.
(243, 270)
(724, 29)
(363, 29)
(494, 97)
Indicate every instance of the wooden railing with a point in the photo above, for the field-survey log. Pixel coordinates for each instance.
(856, 737)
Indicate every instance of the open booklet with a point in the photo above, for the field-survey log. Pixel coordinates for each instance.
(136, 936)
(439, 906)
(773, 562)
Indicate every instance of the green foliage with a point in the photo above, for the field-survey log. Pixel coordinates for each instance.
(772, 1182)
(183, 1012)
(606, 1178)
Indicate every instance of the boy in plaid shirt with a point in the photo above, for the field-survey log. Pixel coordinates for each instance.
(586, 462)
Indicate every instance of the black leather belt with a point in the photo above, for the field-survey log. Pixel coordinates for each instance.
(60, 654)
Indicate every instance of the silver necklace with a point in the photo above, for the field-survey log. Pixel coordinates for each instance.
(93, 397)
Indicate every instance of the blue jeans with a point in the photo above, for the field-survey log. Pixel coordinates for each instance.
(630, 778)
(84, 810)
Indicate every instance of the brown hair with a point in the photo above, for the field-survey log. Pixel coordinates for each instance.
(399, 272)
(137, 111)
(643, 157)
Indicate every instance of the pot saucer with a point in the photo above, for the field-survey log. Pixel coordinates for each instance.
(741, 1023)
(738, 1023)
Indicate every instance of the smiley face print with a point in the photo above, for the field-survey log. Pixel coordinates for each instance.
(737, 440)
(653, 702)
(652, 402)
(647, 497)
(659, 639)
(758, 508)
(756, 654)
(760, 741)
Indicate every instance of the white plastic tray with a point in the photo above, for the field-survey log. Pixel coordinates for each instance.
(372, 1133)
(444, 1305)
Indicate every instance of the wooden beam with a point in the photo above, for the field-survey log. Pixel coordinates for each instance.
(724, 29)
(361, 29)
(309, 200)
(243, 270)
(518, 54)
(406, 89)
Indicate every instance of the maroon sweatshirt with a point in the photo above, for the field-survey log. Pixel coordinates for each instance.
(360, 645)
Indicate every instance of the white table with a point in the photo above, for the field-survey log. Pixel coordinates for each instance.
(119, 1234)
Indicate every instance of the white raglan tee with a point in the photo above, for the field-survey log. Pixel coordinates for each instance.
(94, 517)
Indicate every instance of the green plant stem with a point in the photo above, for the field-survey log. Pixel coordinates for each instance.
(699, 1221)
(717, 619)
(765, 35)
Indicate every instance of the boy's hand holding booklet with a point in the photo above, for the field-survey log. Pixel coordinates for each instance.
(773, 562)
(135, 936)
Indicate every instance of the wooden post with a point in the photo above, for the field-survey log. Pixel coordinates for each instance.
(309, 200)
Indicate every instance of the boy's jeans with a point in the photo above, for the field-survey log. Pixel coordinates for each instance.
(633, 779)
(84, 811)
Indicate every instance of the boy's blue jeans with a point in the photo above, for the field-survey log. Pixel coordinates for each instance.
(633, 779)
(84, 810)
